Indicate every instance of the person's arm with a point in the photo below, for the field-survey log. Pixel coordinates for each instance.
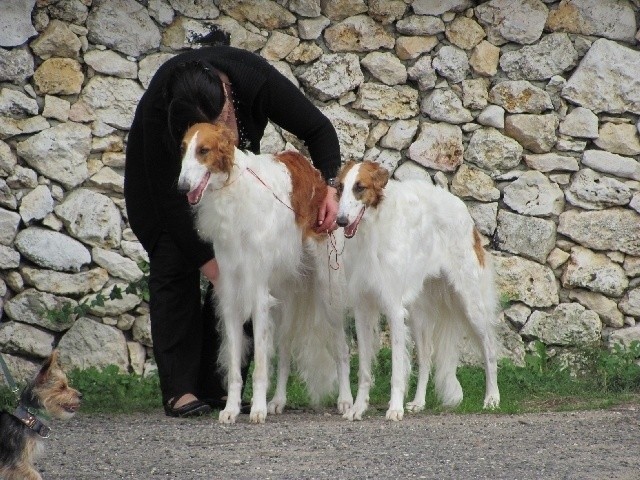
(162, 167)
(290, 109)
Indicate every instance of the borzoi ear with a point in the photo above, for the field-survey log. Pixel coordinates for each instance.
(222, 142)
(380, 176)
(347, 166)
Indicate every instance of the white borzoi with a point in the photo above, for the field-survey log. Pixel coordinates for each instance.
(259, 211)
(417, 255)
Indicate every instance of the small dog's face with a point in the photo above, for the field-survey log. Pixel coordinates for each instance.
(207, 149)
(52, 389)
(360, 185)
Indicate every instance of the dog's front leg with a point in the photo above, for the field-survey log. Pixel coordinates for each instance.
(399, 364)
(262, 345)
(366, 318)
(21, 471)
(233, 323)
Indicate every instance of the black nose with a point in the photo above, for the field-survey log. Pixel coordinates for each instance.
(342, 221)
(182, 187)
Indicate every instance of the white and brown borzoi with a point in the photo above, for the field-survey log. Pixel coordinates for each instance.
(416, 256)
(259, 211)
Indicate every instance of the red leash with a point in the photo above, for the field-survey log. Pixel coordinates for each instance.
(269, 188)
(332, 249)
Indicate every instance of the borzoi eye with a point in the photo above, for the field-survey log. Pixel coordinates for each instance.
(358, 188)
(203, 151)
(340, 188)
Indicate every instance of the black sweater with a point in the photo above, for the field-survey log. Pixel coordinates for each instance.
(261, 94)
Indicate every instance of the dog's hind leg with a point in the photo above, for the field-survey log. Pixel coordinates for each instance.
(486, 339)
(340, 351)
(422, 327)
(479, 309)
(279, 399)
(446, 347)
(345, 397)
(262, 354)
(367, 318)
(333, 306)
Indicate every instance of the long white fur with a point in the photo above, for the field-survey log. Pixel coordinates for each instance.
(264, 263)
(413, 259)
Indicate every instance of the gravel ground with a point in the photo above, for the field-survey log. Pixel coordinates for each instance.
(590, 445)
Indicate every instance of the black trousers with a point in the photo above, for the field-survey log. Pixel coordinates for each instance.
(186, 340)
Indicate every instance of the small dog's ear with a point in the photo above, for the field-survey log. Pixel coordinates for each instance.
(47, 365)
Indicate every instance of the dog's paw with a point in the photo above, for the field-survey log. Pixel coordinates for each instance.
(344, 405)
(395, 415)
(355, 412)
(415, 406)
(276, 406)
(258, 415)
(491, 402)
(228, 415)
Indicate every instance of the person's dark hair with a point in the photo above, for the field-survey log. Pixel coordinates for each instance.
(216, 36)
(194, 94)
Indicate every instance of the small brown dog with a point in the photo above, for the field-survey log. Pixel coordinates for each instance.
(21, 433)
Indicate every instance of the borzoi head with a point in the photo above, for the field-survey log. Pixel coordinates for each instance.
(360, 186)
(207, 158)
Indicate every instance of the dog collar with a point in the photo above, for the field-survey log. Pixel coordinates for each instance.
(32, 421)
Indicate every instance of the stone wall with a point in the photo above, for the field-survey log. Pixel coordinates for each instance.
(526, 109)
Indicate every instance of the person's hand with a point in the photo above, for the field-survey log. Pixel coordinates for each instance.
(211, 271)
(328, 212)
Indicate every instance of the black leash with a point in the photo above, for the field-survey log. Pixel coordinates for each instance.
(8, 377)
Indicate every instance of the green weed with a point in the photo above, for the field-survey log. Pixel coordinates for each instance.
(112, 391)
(66, 312)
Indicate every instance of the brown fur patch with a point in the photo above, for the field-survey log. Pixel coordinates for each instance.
(308, 190)
(215, 146)
(369, 186)
(477, 247)
(370, 183)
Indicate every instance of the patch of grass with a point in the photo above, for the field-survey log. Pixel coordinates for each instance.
(7, 399)
(106, 391)
(111, 391)
(606, 379)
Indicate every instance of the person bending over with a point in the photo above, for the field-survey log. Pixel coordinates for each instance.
(209, 84)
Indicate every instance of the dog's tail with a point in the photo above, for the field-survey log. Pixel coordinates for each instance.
(313, 346)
